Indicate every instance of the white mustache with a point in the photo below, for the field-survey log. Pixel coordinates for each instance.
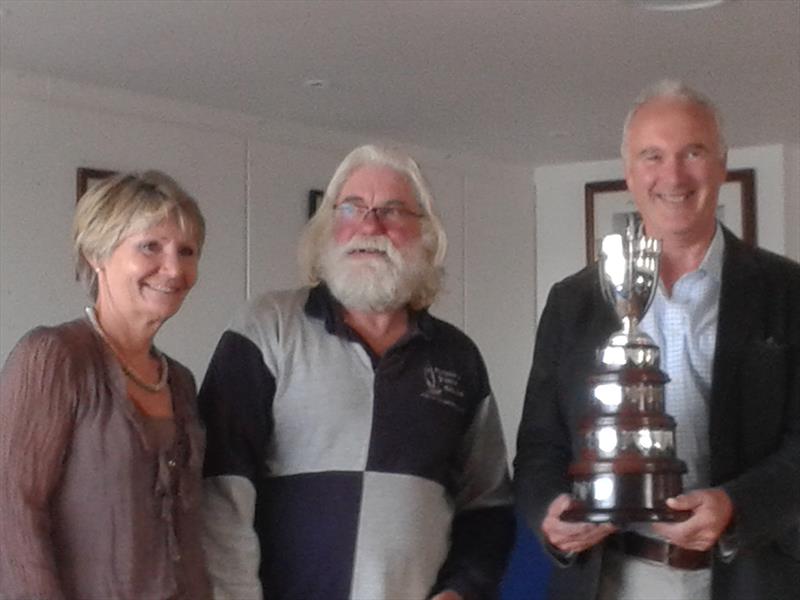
(372, 244)
(367, 243)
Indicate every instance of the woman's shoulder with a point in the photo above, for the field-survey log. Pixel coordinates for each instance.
(51, 358)
(65, 338)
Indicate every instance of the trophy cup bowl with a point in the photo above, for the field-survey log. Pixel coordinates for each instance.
(627, 468)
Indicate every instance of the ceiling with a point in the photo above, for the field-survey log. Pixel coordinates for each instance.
(535, 82)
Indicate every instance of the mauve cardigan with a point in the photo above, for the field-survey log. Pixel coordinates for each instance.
(88, 509)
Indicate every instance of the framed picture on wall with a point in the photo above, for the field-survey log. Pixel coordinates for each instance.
(608, 204)
(88, 177)
(314, 200)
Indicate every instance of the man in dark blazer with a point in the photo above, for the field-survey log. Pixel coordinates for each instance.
(742, 540)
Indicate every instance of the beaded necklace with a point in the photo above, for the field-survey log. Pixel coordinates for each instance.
(129, 372)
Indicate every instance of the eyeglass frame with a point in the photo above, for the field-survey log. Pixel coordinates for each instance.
(381, 212)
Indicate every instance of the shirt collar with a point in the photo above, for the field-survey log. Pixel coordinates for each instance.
(321, 304)
(712, 261)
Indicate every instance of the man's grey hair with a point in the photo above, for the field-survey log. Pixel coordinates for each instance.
(316, 235)
(677, 90)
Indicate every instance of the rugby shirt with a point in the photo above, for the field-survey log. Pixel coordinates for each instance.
(334, 473)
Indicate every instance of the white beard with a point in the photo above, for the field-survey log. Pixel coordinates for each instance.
(383, 282)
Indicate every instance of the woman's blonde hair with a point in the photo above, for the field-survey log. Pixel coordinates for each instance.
(124, 204)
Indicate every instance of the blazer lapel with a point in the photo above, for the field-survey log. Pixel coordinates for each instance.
(739, 310)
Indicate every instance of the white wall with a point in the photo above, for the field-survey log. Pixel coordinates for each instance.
(792, 195)
(41, 145)
(560, 240)
(251, 178)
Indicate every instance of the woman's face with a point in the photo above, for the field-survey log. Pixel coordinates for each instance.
(149, 274)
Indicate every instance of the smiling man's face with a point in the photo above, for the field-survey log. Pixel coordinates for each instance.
(674, 167)
(375, 262)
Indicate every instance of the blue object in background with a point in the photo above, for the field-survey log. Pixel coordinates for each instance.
(528, 569)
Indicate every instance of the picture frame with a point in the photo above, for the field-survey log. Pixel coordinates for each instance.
(88, 177)
(607, 205)
(314, 200)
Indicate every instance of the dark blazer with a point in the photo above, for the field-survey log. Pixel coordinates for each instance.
(754, 421)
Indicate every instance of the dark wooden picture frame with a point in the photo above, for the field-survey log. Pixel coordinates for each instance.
(606, 203)
(88, 177)
(314, 200)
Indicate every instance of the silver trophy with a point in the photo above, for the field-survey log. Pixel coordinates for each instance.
(627, 467)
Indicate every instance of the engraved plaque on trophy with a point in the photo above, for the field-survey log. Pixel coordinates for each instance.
(626, 467)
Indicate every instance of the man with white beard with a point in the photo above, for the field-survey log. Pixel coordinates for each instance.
(354, 445)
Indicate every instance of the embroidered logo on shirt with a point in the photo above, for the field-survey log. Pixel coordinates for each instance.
(442, 386)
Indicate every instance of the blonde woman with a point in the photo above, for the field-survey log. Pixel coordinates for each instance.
(100, 446)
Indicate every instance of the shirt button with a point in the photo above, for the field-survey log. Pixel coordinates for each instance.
(171, 463)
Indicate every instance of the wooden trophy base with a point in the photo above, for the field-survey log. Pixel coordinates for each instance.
(623, 516)
(608, 497)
